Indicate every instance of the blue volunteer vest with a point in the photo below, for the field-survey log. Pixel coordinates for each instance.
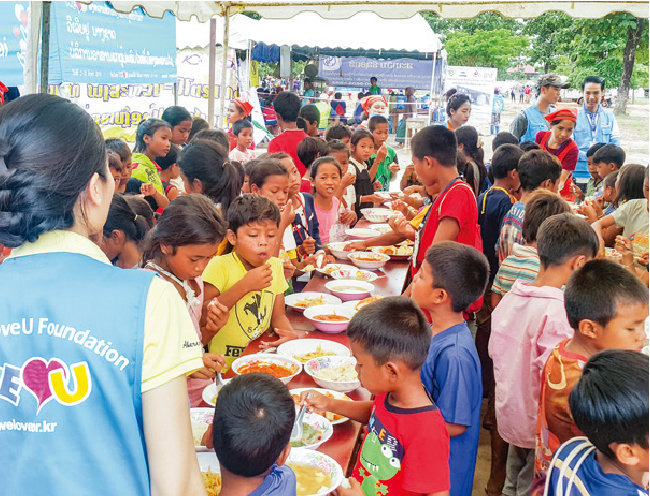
(71, 344)
(536, 123)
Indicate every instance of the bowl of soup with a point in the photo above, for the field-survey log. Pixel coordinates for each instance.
(347, 290)
(282, 367)
(377, 215)
(316, 473)
(329, 318)
(368, 260)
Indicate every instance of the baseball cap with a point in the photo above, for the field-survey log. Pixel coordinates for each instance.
(552, 80)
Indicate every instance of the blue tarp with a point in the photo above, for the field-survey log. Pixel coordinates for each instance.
(14, 18)
(92, 43)
(265, 53)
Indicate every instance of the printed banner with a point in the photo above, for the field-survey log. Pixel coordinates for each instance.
(355, 72)
(14, 30)
(92, 43)
(479, 84)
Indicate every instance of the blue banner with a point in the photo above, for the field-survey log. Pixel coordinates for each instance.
(390, 74)
(14, 20)
(92, 43)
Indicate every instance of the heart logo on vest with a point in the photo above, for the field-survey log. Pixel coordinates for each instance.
(35, 378)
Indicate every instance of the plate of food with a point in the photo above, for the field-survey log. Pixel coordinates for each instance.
(368, 260)
(366, 301)
(282, 367)
(329, 318)
(353, 274)
(361, 233)
(337, 373)
(316, 430)
(399, 252)
(301, 301)
(200, 419)
(304, 350)
(329, 268)
(334, 418)
(377, 215)
(210, 472)
(348, 290)
(211, 392)
(336, 248)
(382, 228)
(316, 473)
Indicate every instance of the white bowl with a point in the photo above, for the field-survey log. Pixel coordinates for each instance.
(297, 348)
(315, 366)
(200, 418)
(296, 299)
(361, 233)
(383, 228)
(337, 250)
(350, 290)
(377, 215)
(325, 325)
(210, 392)
(360, 259)
(322, 462)
(267, 358)
(354, 274)
(337, 395)
(320, 424)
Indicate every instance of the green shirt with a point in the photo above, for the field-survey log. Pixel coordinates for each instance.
(147, 171)
(383, 174)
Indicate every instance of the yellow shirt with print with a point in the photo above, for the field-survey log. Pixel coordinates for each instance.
(251, 315)
(417, 220)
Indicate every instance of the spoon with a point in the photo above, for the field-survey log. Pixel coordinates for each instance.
(296, 431)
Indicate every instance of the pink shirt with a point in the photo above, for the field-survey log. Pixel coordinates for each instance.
(326, 219)
(526, 325)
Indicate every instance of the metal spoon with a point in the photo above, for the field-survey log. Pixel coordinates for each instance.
(296, 431)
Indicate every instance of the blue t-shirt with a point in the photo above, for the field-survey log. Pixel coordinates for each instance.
(452, 375)
(588, 474)
(497, 205)
(281, 481)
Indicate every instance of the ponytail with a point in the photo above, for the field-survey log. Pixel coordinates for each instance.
(121, 217)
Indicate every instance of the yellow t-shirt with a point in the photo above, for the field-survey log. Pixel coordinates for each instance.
(417, 220)
(171, 348)
(251, 315)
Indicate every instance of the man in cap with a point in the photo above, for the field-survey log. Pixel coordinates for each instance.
(530, 121)
(593, 125)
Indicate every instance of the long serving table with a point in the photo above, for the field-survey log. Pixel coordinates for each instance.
(342, 443)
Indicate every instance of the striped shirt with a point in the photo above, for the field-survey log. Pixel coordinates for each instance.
(511, 230)
(522, 264)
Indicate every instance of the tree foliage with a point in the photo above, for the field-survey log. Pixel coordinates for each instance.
(550, 34)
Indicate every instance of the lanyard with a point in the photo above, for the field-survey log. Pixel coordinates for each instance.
(495, 188)
(593, 121)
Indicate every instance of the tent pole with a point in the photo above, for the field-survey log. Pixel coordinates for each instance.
(433, 82)
(211, 75)
(30, 70)
(224, 64)
(45, 47)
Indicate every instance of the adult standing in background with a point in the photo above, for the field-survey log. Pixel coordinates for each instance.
(374, 89)
(594, 125)
(498, 104)
(531, 121)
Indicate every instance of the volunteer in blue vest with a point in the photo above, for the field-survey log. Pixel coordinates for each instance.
(530, 121)
(93, 395)
(594, 125)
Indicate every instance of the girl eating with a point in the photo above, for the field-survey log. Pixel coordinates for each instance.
(152, 139)
(362, 146)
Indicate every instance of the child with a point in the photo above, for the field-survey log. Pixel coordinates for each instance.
(600, 319)
(338, 131)
(537, 169)
(595, 183)
(384, 159)
(169, 170)
(326, 177)
(287, 108)
(338, 107)
(362, 146)
(608, 159)
(127, 184)
(610, 405)
(198, 125)
(215, 135)
(451, 278)
(152, 139)
(123, 234)
(494, 204)
(524, 262)
(340, 152)
(309, 150)
(406, 447)
(249, 281)
(181, 122)
(251, 431)
(474, 172)
(239, 110)
(142, 209)
(242, 130)
(528, 322)
(312, 117)
(186, 237)
(115, 166)
(558, 142)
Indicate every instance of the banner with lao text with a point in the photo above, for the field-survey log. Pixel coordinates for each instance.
(479, 84)
(14, 24)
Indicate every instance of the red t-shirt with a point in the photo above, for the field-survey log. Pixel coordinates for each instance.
(288, 142)
(405, 451)
(457, 202)
(567, 154)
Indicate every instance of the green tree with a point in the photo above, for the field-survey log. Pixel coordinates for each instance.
(550, 34)
(486, 21)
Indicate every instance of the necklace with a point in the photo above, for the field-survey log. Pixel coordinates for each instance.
(191, 299)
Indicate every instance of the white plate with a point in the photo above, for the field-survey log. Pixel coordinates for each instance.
(326, 299)
(321, 425)
(352, 304)
(382, 228)
(361, 233)
(211, 391)
(299, 347)
(323, 462)
(337, 395)
(201, 418)
(329, 268)
(354, 274)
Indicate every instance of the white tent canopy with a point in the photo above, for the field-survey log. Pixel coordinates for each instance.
(310, 30)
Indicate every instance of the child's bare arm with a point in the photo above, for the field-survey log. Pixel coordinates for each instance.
(355, 410)
(255, 279)
(214, 314)
(448, 230)
(495, 299)
(383, 240)
(455, 429)
(281, 325)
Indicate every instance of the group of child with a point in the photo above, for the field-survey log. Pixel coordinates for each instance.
(493, 240)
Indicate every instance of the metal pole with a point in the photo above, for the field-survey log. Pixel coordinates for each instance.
(211, 57)
(433, 82)
(224, 64)
(30, 70)
(45, 47)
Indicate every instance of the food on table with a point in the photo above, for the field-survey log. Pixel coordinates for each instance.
(198, 429)
(367, 301)
(349, 288)
(305, 357)
(344, 372)
(310, 302)
(274, 369)
(400, 250)
(308, 268)
(309, 479)
(310, 435)
(212, 483)
(368, 257)
(328, 269)
(331, 318)
(332, 417)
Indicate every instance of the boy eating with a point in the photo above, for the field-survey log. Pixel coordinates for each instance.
(406, 447)
(386, 156)
(608, 159)
(451, 278)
